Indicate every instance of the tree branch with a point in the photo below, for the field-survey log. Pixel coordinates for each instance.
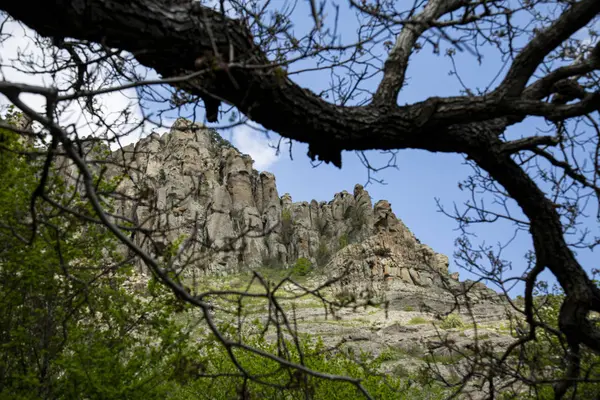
(529, 143)
(170, 40)
(572, 19)
(395, 66)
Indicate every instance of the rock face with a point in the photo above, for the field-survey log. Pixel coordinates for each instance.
(192, 188)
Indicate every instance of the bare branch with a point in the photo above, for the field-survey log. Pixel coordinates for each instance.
(575, 17)
(395, 66)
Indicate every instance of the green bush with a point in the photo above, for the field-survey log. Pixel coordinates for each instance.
(286, 215)
(323, 254)
(285, 383)
(343, 241)
(302, 267)
(418, 321)
(392, 354)
(452, 321)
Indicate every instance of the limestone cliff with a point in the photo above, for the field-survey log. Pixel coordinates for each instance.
(191, 183)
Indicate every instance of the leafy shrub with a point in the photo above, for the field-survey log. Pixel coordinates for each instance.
(286, 215)
(452, 321)
(418, 321)
(286, 383)
(302, 267)
(219, 140)
(343, 241)
(545, 356)
(391, 354)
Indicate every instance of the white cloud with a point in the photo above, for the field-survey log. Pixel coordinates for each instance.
(256, 144)
(18, 45)
(18, 41)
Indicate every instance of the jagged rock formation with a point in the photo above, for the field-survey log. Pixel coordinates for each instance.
(192, 184)
(392, 258)
(199, 184)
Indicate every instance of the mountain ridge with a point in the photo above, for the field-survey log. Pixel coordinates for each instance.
(192, 170)
(192, 186)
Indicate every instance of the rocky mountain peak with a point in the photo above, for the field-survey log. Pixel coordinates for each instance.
(191, 182)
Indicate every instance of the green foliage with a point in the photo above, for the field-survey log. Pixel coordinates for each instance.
(302, 267)
(280, 74)
(392, 354)
(219, 141)
(452, 321)
(545, 357)
(172, 248)
(418, 321)
(68, 326)
(286, 383)
(323, 254)
(343, 240)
